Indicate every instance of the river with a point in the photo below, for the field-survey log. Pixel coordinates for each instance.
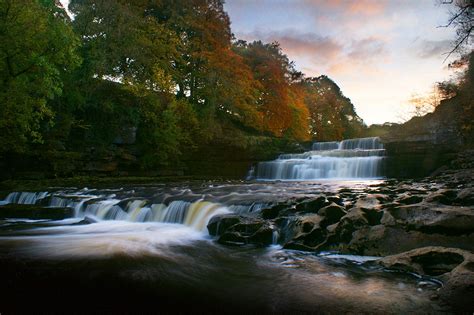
(147, 247)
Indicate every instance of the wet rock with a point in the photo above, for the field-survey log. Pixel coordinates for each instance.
(455, 267)
(373, 216)
(34, 212)
(238, 230)
(307, 233)
(331, 213)
(430, 261)
(381, 240)
(232, 238)
(387, 219)
(312, 205)
(85, 221)
(370, 201)
(348, 224)
(465, 197)
(447, 220)
(410, 199)
(337, 200)
(275, 210)
(221, 223)
(443, 196)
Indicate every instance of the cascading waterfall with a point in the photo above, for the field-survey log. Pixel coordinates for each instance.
(347, 159)
(195, 214)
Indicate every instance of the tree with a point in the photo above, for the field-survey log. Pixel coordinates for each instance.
(332, 115)
(462, 18)
(38, 47)
(424, 104)
(273, 71)
(209, 73)
(123, 42)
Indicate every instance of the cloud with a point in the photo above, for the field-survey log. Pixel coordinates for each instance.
(433, 48)
(350, 7)
(325, 53)
(367, 49)
(304, 44)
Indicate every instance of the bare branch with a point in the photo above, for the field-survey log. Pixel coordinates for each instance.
(455, 17)
(458, 44)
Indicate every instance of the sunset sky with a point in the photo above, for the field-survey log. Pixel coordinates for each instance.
(379, 52)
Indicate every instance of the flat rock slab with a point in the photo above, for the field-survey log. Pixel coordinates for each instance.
(34, 212)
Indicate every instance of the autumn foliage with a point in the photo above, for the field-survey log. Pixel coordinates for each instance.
(169, 69)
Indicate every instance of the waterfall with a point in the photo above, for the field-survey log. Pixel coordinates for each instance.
(348, 159)
(26, 198)
(195, 214)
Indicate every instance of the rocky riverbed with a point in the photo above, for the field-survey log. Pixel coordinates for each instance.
(379, 232)
(424, 226)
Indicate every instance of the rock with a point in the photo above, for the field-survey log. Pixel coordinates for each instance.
(373, 216)
(337, 200)
(370, 201)
(85, 221)
(331, 213)
(465, 197)
(387, 219)
(221, 223)
(455, 267)
(410, 199)
(447, 220)
(443, 196)
(275, 210)
(127, 135)
(239, 230)
(381, 240)
(312, 205)
(34, 212)
(306, 232)
(232, 238)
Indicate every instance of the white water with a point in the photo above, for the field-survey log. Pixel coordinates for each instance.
(348, 159)
(194, 214)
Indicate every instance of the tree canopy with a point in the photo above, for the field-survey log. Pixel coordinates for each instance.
(169, 70)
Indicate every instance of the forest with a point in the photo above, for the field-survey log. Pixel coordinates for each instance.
(168, 77)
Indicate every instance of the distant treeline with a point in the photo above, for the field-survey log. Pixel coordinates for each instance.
(168, 72)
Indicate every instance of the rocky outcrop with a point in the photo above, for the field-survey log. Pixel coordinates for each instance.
(421, 145)
(454, 267)
(34, 212)
(390, 218)
(241, 230)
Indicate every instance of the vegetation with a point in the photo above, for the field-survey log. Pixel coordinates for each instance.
(166, 74)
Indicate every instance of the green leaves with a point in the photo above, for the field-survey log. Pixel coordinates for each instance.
(37, 47)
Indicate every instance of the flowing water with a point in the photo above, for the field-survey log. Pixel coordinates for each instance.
(148, 249)
(348, 159)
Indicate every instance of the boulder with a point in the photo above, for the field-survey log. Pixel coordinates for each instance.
(221, 223)
(407, 199)
(239, 230)
(85, 221)
(331, 213)
(307, 233)
(312, 205)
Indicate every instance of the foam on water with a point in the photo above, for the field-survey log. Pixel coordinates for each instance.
(104, 239)
(349, 159)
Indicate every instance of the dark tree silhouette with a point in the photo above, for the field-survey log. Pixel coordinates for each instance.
(462, 18)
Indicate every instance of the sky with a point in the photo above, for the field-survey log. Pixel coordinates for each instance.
(379, 52)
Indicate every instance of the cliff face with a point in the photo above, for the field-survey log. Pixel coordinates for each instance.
(423, 144)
